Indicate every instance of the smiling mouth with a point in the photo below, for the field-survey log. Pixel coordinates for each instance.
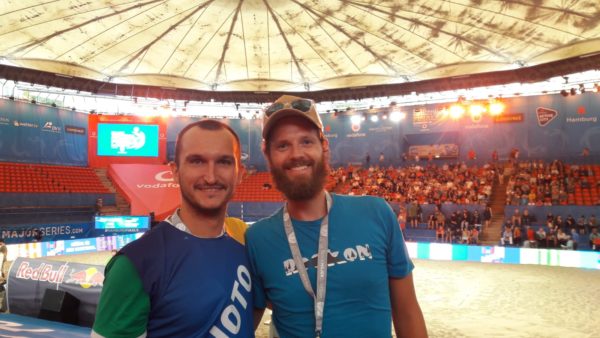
(212, 188)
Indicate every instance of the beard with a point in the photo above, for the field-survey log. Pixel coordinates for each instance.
(304, 188)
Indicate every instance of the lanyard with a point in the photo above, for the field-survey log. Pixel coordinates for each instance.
(319, 298)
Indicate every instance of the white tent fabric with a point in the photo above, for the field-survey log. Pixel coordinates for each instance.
(291, 45)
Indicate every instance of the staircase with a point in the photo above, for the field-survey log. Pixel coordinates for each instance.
(121, 206)
(492, 234)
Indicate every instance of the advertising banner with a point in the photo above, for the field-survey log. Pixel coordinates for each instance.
(37, 134)
(28, 279)
(50, 232)
(148, 187)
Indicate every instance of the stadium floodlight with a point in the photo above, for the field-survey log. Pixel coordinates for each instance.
(355, 119)
(397, 116)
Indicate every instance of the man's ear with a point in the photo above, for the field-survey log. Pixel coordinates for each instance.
(241, 173)
(174, 171)
(263, 147)
(325, 144)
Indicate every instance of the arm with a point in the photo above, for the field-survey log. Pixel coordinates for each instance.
(406, 313)
(258, 314)
(124, 306)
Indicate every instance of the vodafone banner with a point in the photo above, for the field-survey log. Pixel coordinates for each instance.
(148, 187)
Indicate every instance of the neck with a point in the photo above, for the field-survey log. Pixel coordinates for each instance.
(310, 209)
(202, 224)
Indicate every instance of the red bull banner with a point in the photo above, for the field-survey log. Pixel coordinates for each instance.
(148, 188)
(28, 279)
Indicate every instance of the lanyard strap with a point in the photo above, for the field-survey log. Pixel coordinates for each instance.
(319, 298)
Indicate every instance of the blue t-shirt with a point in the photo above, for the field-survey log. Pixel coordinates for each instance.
(366, 248)
(198, 287)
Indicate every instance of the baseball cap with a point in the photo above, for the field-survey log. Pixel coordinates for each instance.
(286, 106)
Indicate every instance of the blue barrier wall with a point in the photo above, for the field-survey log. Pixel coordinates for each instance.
(52, 199)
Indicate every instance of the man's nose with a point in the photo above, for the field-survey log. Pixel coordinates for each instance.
(210, 174)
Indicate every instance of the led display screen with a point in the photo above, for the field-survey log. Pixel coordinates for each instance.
(122, 223)
(120, 139)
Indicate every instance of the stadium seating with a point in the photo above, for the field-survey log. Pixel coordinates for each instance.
(40, 178)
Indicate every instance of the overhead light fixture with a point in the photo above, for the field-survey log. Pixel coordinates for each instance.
(457, 111)
(397, 116)
(355, 119)
(496, 108)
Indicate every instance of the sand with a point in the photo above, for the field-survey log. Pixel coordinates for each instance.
(464, 299)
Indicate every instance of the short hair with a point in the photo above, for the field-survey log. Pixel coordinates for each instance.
(207, 124)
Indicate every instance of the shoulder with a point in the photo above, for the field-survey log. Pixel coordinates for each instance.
(359, 202)
(150, 238)
(236, 228)
(265, 225)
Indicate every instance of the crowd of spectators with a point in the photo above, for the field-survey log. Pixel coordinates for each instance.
(553, 232)
(428, 184)
(544, 184)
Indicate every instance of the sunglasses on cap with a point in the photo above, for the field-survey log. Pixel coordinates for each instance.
(302, 105)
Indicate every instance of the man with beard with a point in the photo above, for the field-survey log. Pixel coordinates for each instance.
(188, 276)
(349, 248)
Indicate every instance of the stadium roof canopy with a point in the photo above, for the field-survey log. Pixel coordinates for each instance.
(252, 50)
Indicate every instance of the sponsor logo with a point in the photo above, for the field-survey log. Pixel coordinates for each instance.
(355, 127)
(74, 130)
(127, 141)
(46, 231)
(86, 278)
(230, 318)
(509, 118)
(545, 116)
(17, 123)
(164, 176)
(591, 119)
(381, 129)
(43, 273)
(349, 255)
(423, 118)
(157, 185)
(50, 127)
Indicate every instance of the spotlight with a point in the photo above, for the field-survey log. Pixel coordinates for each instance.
(355, 119)
(374, 118)
(476, 110)
(496, 108)
(397, 116)
(456, 111)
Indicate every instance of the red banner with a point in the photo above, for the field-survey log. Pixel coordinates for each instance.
(148, 187)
